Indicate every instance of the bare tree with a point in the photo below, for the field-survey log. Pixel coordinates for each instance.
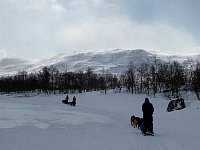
(142, 72)
(131, 77)
(196, 80)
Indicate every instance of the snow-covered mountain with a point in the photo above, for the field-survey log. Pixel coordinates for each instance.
(114, 61)
(12, 65)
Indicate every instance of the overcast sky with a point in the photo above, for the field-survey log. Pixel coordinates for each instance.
(36, 29)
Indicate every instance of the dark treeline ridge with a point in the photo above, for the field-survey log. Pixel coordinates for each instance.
(49, 80)
(157, 77)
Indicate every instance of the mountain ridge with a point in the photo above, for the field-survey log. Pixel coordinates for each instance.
(113, 61)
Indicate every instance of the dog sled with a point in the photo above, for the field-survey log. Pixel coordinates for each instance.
(68, 103)
(148, 132)
(137, 122)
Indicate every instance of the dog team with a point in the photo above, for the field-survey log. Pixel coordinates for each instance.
(145, 124)
(66, 101)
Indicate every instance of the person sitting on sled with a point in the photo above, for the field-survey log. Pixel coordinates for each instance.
(148, 110)
(67, 99)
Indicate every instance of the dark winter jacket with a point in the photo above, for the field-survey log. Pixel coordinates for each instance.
(74, 101)
(147, 108)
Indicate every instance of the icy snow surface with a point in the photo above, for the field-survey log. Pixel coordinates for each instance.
(98, 122)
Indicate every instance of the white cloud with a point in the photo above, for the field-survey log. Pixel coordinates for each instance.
(3, 54)
(93, 3)
(37, 5)
(120, 32)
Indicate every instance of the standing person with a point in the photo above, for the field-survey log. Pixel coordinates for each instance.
(148, 110)
(74, 101)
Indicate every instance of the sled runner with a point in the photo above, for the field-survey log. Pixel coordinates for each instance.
(147, 132)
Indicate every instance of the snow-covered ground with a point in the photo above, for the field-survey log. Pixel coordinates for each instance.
(98, 122)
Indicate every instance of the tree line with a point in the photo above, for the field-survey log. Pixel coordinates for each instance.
(147, 78)
(158, 77)
(50, 80)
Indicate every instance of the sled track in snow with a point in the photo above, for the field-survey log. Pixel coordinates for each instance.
(136, 140)
(149, 142)
(158, 143)
(121, 125)
(144, 142)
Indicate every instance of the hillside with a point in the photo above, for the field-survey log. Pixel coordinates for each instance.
(114, 61)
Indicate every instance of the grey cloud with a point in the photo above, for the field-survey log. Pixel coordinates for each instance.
(182, 14)
(34, 30)
(140, 11)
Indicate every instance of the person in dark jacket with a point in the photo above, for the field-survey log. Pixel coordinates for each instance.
(74, 101)
(148, 110)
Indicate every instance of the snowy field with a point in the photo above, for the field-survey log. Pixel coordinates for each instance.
(98, 122)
